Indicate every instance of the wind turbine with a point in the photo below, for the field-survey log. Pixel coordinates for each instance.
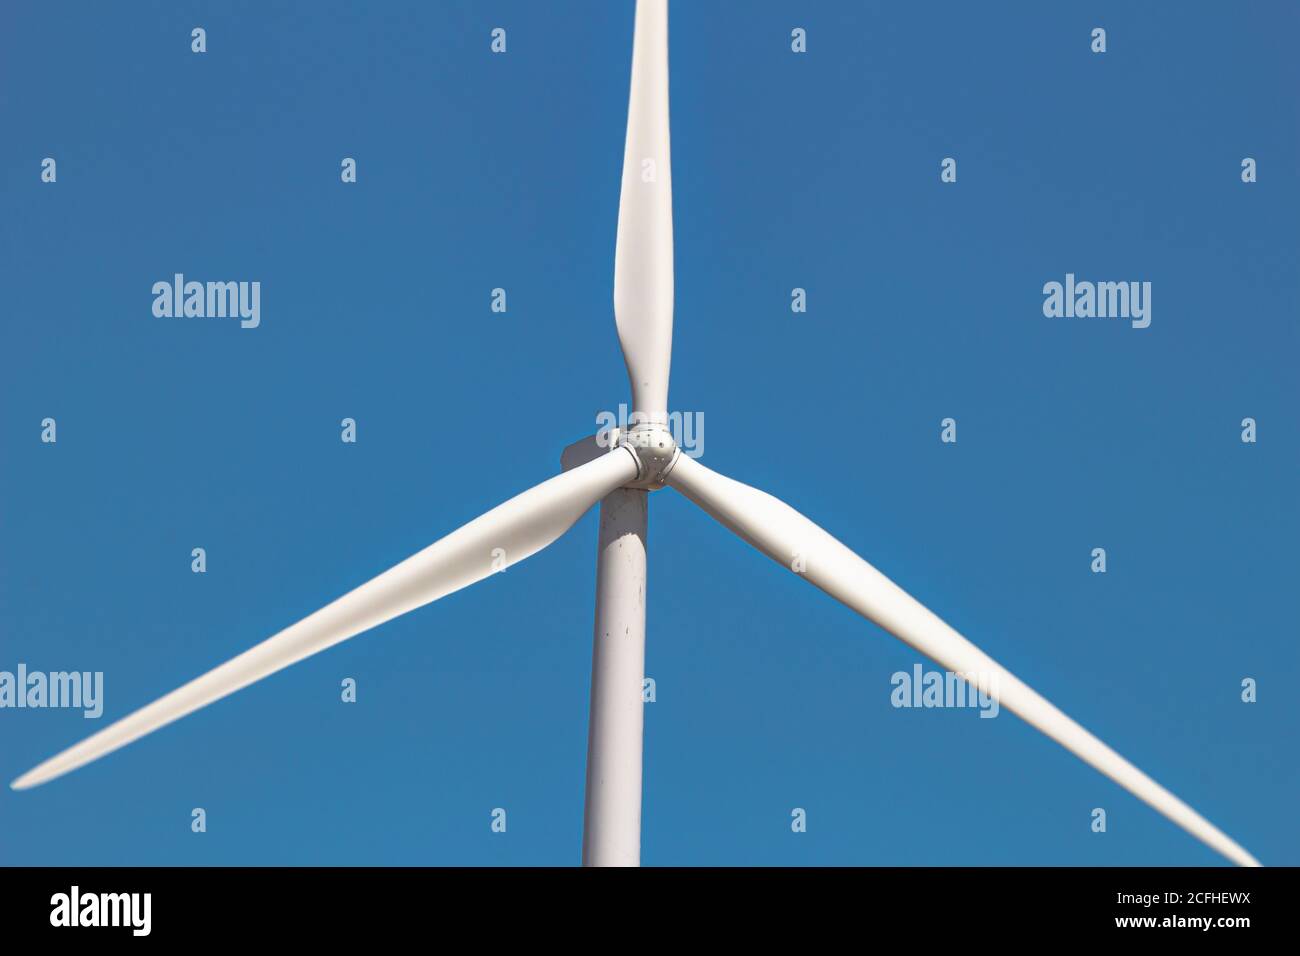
(619, 474)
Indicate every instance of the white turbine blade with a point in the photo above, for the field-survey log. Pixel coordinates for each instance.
(643, 257)
(508, 533)
(789, 538)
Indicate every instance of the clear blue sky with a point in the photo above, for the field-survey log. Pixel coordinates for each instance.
(924, 301)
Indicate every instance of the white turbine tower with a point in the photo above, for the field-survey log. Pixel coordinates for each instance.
(619, 475)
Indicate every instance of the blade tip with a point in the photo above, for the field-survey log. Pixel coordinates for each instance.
(1239, 855)
(31, 778)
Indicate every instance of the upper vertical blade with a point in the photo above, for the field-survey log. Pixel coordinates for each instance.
(643, 258)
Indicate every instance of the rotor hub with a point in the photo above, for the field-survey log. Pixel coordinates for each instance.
(656, 453)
